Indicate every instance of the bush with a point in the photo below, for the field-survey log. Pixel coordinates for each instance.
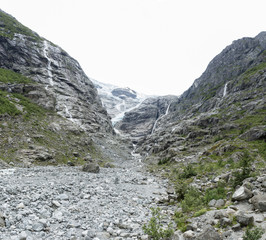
(188, 172)
(155, 227)
(254, 234)
(245, 170)
(193, 200)
(216, 193)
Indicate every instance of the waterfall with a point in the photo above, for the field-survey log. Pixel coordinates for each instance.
(225, 89)
(68, 114)
(166, 113)
(49, 68)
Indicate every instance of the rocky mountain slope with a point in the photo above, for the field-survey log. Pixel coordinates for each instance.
(211, 142)
(208, 145)
(50, 110)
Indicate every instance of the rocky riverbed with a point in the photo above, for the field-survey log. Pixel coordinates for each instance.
(67, 203)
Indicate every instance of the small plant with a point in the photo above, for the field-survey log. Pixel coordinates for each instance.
(181, 221)
(193, 200)
(216, 193)
(200, 212)
(253, 234)
(155, 227)
(188, 172)
(245, 170)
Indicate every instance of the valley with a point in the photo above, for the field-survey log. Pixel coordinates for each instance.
(80, 159)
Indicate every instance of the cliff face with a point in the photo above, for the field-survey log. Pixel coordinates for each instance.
(65, 87)
(50, 111)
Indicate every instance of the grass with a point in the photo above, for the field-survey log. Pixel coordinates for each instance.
(9, 76)
(6, 106)
(10, 26)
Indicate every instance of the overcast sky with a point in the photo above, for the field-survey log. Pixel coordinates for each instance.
(156, 47)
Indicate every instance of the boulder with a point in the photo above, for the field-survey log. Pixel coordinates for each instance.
(209, 233)
(2, 220)
(244, 219)
(242, 193)
(91, 168)
(259, 202)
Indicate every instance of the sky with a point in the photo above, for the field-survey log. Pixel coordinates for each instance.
(155, 47)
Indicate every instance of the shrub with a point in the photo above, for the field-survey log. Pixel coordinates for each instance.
(200, 212)
(245, 170)
(155, 227)
(216, 193)
(188, 172)
(254, 234)
(193, 200)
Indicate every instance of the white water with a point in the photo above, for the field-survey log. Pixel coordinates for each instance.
(166, 113)
(68, 114)
(49, 68)
(225, 90)
(135, 155)
(120, 116)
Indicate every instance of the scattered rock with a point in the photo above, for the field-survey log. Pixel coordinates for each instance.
(242, 193)
(91, 168)
(209, 233)
(244, 219)
(259, 202)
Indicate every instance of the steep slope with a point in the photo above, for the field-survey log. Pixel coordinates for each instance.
(66, 88)
(142, 120)
(50, 111)
(213, 141)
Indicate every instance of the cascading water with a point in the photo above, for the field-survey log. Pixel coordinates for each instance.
(166, 113)
(225, 90)
(49, 68)
(68, 114)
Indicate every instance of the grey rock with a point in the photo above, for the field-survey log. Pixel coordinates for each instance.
(244, 219)
(212, 203)
(224, 222)
(209, 233)
(259, 202)
(242, 193)
(219, 203)
(91, 168)
(2, 220)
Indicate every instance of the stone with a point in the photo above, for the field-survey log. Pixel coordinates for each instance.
(259, 202)
(209, 233)
(224, 222)
(242, 193)
(236, 227)
(91, 168)
(2, 220)
(219, 203)
(212, 203)
(244, 219)
(188, 235)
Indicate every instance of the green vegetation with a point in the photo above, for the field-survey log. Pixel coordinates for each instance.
(216, 193)
(10, 26)
(9, 76)
(245, 170)
(253, 234)
(155, 227)
(7, 107)
(250, 72)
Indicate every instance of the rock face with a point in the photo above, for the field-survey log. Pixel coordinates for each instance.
(66, 88)
(144, 120)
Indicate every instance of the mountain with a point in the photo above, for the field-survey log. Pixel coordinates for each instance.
(50, 110)
(207, 147)
(210, 143)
